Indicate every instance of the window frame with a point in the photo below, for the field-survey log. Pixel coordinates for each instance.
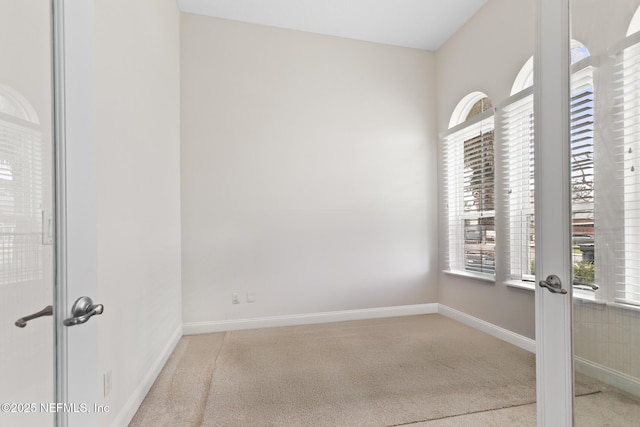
(510, 114)
(625, 138)
(454, 190)
(515, 116)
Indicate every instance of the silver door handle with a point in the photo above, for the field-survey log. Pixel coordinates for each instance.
(553, 284)
(83, 309)
(22, 322)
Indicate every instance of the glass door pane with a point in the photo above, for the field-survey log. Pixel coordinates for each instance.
(26, 229)
(605, 181)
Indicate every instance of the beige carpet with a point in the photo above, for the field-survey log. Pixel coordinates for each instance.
(179, 394)
(382, 372)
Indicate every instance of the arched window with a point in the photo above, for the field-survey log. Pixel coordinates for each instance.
(516, 120)
(524, 79)
(516, 150)
(578, 51)
(471, 105)
(634, 26)
(582, 165)
(13, 104)
(626, 102)
(20, 189)
(469, 186)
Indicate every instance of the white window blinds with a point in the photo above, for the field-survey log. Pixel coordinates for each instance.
(20, 200)
(517, 165)
(582, 175)
(516, 135)
(469, 176)
(626, 137)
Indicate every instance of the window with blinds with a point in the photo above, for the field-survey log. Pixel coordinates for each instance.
(582, 175)
(469, 173)
(517, 157)
(21, 255)
(626, 137)
(516, 122)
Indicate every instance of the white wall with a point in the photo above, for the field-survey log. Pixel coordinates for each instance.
(486, 55)
(308, 172)
(137, 139)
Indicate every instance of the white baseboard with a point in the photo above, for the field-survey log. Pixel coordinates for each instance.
(130, 408)
(608, 376)
(308, 319)
(489, 328)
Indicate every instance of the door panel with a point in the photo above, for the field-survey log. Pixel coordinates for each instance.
(553, 216)
(588, 141)
(606, 210)
(81, 379)
(26, 251)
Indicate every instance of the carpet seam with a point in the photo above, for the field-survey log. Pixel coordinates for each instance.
(213, 373)
(461, 415)
(589, 393)
(480, 412)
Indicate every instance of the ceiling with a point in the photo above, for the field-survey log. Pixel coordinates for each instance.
(421, 24)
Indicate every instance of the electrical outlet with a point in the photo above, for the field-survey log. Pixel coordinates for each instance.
(107, 383)
(251, 297)
(235, 299)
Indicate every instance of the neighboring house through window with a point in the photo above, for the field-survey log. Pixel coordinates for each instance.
(516, 154)
(472, 150)
(469, 187)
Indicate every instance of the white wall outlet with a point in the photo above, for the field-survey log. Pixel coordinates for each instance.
(107, 383)
(235, 299)
(251, 297)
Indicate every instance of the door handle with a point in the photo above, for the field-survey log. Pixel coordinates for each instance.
(82, 310)
(553, 284)
(22, 322)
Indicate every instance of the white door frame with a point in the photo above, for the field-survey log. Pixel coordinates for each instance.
(77, 375)
(76, 210)
(58, 141)
(554, 356)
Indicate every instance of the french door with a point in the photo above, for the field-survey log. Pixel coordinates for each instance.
(27, 374)
(48, 354)
(587, 107)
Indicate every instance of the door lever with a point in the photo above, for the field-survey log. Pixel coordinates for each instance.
(22, 322)
(83, 309)
(553, 284)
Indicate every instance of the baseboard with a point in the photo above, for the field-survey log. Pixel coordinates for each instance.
(130, 408)
(608, 376)
(308, 319)
(489, 328)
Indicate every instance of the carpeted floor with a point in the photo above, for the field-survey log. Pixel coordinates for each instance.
(418, 370)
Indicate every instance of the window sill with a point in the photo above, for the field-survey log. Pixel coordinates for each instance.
(621, 307)
(586, 296)
(583, 296)
(589, 303)
(627, 308)
(478, 276)
(521, 284)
